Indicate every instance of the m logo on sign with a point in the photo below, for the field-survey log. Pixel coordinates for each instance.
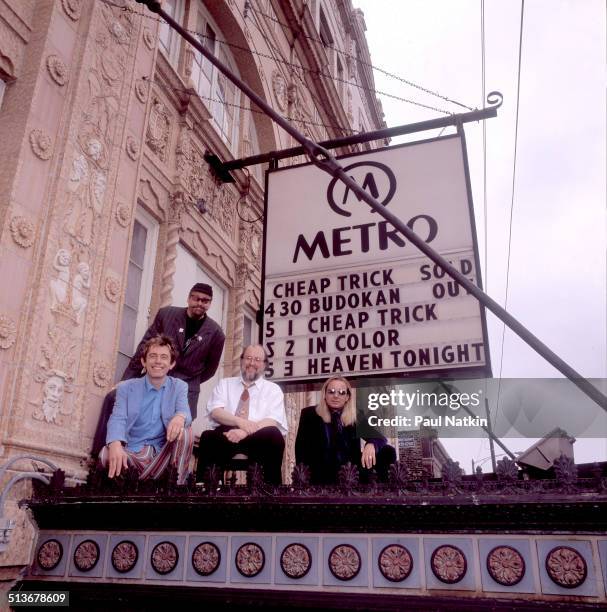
(375, 178)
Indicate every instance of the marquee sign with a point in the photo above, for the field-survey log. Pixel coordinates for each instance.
(345, 293)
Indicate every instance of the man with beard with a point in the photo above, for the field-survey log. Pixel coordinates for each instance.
(248, 416)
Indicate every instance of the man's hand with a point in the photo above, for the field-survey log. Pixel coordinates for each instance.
(368, 456)
(235, 435)
(175, 428)
(247, 426)
(117, 458)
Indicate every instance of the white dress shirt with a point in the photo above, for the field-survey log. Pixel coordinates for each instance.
(266, 400)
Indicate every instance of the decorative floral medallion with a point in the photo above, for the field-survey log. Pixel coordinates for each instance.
(41, 144)
(344, 562)
(49, 554)
(8, 332)
(112, 289)
(505, 565)
(123, 215)
(22, 231)
(395, 563)
(165, 557)
(566, 567)
(250, 559)
(57, 69)
(132, 148)
(206, 558)
(296, 560)
(72, 8)
(448, 564)
(124, 556)
(102, 374)
(86, 555)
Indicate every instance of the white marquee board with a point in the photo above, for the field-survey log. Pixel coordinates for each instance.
(345, 293)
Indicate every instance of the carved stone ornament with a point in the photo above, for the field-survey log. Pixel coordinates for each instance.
(41, 144)
(124, 556)
(149, 39)
(86, 555)
(344, 562)
(506, 565)
(72, 8)
(296, 560)
(50, 554)
(112, 289)
(164, 558)
(206, 558)
(250, 559)
(279, 87)
(123, 215)
(8, 332)
(566, 567)
(102, 374)
(57, 69)
(132, 148)
(141, 91)
(22, 231)
(395, 563)
(157, 133)
(448, 564)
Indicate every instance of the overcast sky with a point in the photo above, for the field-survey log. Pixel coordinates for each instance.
(557, 280)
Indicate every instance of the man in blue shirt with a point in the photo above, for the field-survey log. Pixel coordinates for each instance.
(150, 424)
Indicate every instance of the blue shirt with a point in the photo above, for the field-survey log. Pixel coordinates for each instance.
(148, 429)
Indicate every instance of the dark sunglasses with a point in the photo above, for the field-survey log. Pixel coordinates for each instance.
(337, 392)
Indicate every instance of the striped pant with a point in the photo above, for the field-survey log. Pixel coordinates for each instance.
(152, 465)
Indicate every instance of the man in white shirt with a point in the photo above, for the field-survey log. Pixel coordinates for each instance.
(247, 413)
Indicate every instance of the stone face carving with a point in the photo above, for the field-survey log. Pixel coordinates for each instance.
(56, 373)
(22, 231)
(141, 91)
(112, 289)
(8, 332)
(279, 87)
(57, 69)
(158, 130)
(41, 143)
(132, 148)
(149, 39)
(102, 374)
(72, 8)
(123, 215)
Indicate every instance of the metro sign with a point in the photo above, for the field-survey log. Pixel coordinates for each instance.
(345, 293)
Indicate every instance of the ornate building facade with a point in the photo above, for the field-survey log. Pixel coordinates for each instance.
(108, 210)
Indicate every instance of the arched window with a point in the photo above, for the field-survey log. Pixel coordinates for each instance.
(167, 37)
(219, 94)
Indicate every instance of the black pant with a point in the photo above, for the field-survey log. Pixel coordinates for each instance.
(265, 447)
(104, 417)
(384, 458)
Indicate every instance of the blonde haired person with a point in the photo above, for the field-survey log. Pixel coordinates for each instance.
(327, 438)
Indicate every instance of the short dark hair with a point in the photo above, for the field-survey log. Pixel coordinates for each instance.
(202, 288)
(160, 340)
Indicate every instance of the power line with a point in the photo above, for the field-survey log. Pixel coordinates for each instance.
(518, 91)
(363, 62)
(288, 64)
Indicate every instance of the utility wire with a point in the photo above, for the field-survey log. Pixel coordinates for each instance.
(288, 64)
(518, 92)
(356, 58)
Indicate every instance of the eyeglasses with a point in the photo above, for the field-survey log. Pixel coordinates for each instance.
(255, 359)
(201, 300)
(341, 392)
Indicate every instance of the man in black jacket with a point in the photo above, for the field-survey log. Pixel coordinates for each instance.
(198, 339)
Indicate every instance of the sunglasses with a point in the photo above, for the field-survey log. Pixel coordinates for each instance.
(337, 392)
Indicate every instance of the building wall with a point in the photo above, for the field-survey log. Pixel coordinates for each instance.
(101, 125)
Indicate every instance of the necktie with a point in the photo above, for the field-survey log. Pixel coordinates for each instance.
(242, 410)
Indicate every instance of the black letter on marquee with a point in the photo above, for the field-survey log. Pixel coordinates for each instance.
(319, 242)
